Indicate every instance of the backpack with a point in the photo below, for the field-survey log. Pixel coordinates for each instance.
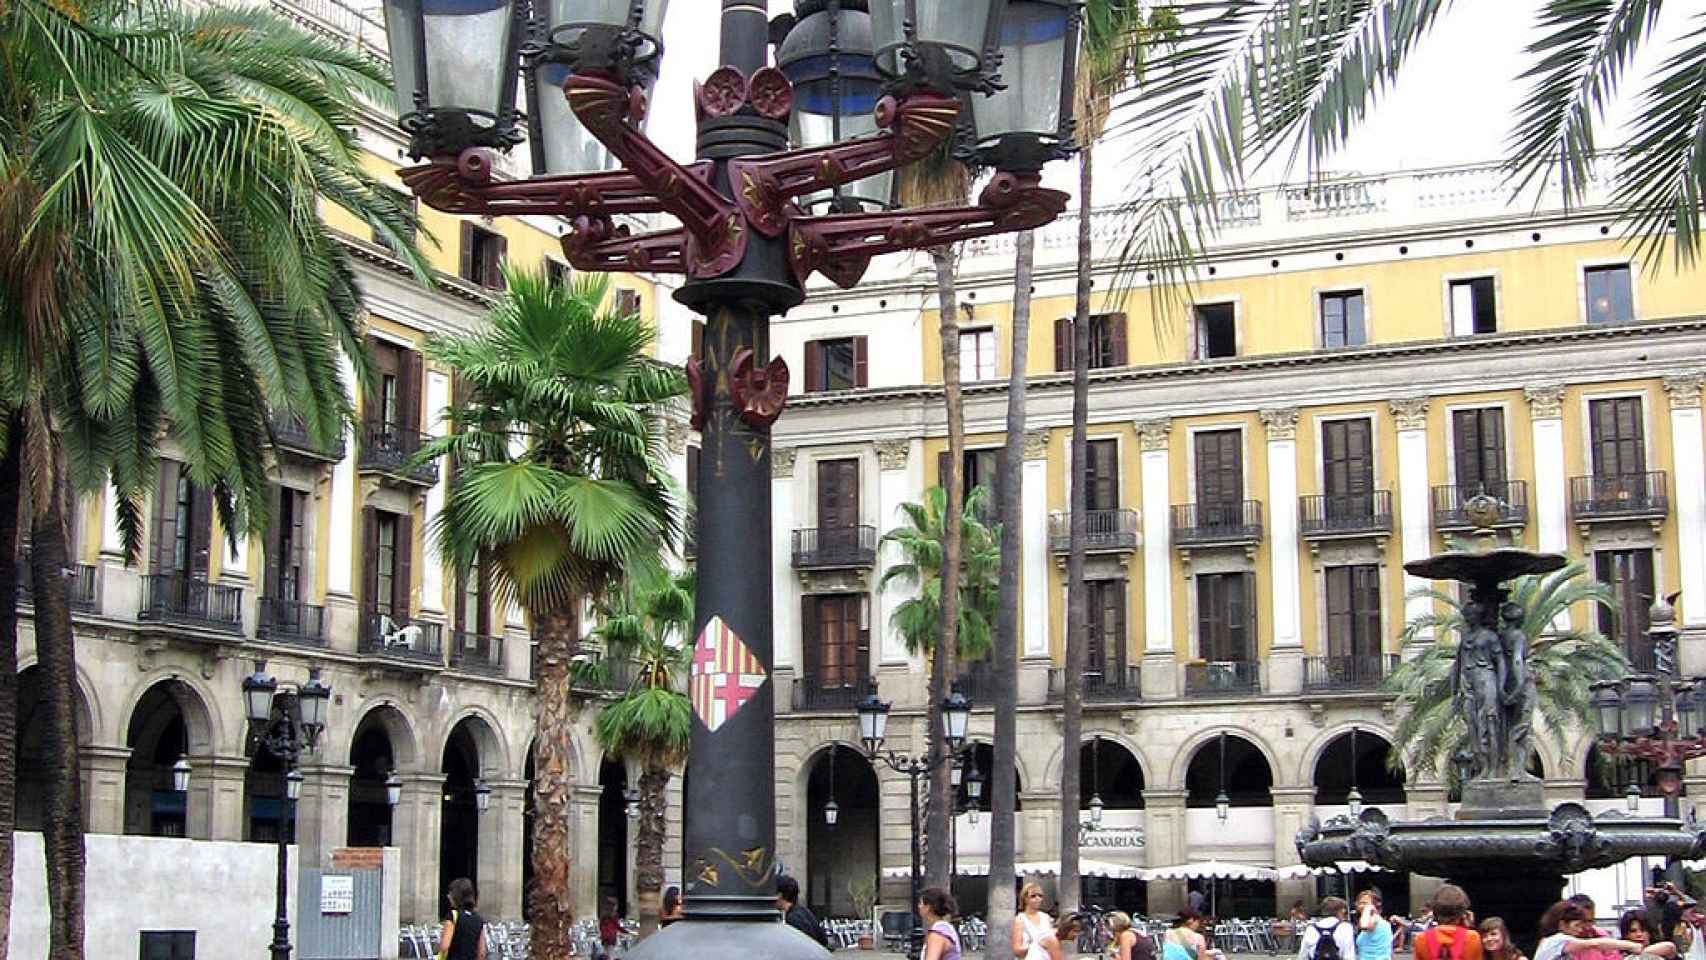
(1326, 943)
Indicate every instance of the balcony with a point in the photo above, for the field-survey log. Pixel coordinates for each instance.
(1117, 685)
(1449, 501)
(473, 652)
(191, 601)
(404, 641)
(1324, 516)
(81, 584)
(1342, 674)
(1231, 524)
(290, 434)
(1105, 531)
(814, 696)
(386, 448)
(828, 548)
(291, 621)
(1223, 677)
(976, 682)
(1627, 496)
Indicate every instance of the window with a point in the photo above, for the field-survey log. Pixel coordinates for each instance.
(836, 364)
(838, 649)
(183, 524)
(1353, 611)
(977, 354)
(1102, 475)
(473, 601)
(394, 404)
(557, 273)
(387, 577)
(1217, 331)
(1610, 298)
(982, 468)
(1629, 574)
(1226, 617)
(627, 302)
(286, 551)
(838, 493)
(1220, 476)
(385, 562)
(183, 520)
(410, 206)
(1342, 323)
(1617, 434)
(1478, 451)
(482, 256)
(1473, 309)
(1104, 660)
(1347, 461)
(1107, 341)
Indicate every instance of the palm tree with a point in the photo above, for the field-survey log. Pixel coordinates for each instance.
(159, 171)
(942, 180)
(561, 482)
(1565, 661)
(922, 545)
(651, 723)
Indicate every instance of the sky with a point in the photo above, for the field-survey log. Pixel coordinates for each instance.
(1453, 104)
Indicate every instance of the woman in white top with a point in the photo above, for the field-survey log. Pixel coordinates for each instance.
(1032, 925)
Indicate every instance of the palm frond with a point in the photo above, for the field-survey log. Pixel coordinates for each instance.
(1661, 175)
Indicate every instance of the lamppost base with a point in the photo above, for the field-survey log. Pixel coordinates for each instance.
(728, 940)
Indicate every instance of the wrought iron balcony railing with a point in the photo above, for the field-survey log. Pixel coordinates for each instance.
(1226, 523)
(190, 600)
(1346, 515)
(1359, 672)
(477, 653)
(292, 621)
(1449, 501)
(1625, 496)
(830, 547)
(815, 695)
(976, 682)
(1223, 677)
(386, 448)
(396, 637)
(1105, 531)
(1117, 684)
(291, 433)
(81, 582)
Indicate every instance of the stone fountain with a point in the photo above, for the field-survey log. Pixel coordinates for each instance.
(1504, 847)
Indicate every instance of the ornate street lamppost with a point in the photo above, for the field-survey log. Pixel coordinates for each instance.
(285, 723)
(873, 730)
(1654, 718)
(1222, 802)
(746, 246)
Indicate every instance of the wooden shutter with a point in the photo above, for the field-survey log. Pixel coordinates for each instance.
(369, 558)
(409, 392)
(1619, 442)
(1102, 475)
(811, 641)
(1211, 620)
(814, 366)
(942, 469)
(1347, 458)
(278, 539)
(1220, 472)
(1116, 338)
(1367, 599)
(1247, 585)
(497, 249)
(1240, 613)
(1096, 640)
(1479, 438)
(201, 529)
(1063, 344)
(861, 353)
(470, 268)
(483, 596)
(1339, 611)
(628, 302)
(837, 493)
(165, 517)
(295, 560)
(401, 584)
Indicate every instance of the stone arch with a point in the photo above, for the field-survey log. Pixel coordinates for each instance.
(1144, 766)
(168, 720)
(1188, 751)
(1318, 745)
(495, 757)
(1335, 769)
(92, 714)
(834, 855)
(200, 709)
(389, 715)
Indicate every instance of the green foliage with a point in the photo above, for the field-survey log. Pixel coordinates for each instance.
(1564, 663)
(558, 446)
(646, 628)
(918, 618)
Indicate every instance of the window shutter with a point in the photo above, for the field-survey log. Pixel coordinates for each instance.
(1338, 611)
(277, 538)
(861, 351)
(811, 644)
(1208, 626)
(409, 392)
(496, 251)
(483, 596)
(1250, 612)
(1116, 336)
(862, 662)
(402, 585)
(469, 267)
(1063, 344)
(814, 366)
(369, 558)
(165, 517)
(1118, 589)
(298, 541)
(370, 403)
(1368, 640)
(1493, 427)
(201, 533)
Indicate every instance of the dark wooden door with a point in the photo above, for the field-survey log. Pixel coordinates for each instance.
(838, 654)
(1225, 617)
(1102, 475)
(1220, 477)
(1619, 437)
(1629, 573)
(1353, 611)
(1478, 440)
(1104, 661)
(285, 551)
(1347, 467)
(837, 506)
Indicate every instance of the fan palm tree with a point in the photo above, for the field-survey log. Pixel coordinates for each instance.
(651, 723)
(921, 541)
(167, 274)
(941, 180)
(1565, 661)
(561, 483)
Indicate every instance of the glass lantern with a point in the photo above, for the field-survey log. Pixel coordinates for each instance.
(258, 692)
(455, 65)
(1640, 706)
(1607, 704)
(956, 713)
(593, 33)
(827, 56)
(561, 145)
(873, 722)
(1029, 120)
(949, 38)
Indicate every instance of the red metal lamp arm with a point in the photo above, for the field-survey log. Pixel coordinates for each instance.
(465, 185)
(841, 246)
(596, 246)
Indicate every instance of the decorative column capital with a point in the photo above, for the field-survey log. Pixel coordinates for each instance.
(1152, 434)
(1684, 390)
(1036, 444)
(782, 462)
(1410, 412)
(891, 454)
(1545, 402)
(1281, 422)
(677, 436)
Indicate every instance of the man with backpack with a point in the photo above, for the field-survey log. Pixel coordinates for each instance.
(1329, 936)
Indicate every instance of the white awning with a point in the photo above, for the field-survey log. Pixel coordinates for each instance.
(1087, 868)
(1297, 870)
(1205, 869)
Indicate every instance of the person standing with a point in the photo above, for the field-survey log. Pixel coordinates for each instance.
(609, 928)
(1329, 936)
(1567, 933)
(1032, 926)
(1374, 934)
(1449, 938)
(1197, 901)
(1126, 943)
(941, 941)
(464, 934)
(796, 913)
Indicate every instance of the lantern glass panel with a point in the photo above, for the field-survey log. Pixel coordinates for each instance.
(313, 700)
(467, 42)
(402, 35)
(831, 813)
(293, 785)
(258, 690)
(957, 27)
(569, 147)
(1608, 710)
(1640, 706)
(569, 18)
(1033, 65)
(873, 722)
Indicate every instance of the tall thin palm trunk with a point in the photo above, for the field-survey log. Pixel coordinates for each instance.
(1006, 653)
(62, 834)
(648, 844)
(551, 911)
(942, 667)
(11, 474)
(1077, 615)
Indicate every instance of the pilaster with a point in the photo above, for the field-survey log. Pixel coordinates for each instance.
(894, 460)
(1551, 507)
(415, 831)
(104, 771)
(583, 879)
(1164, 832)
(1283, 567)
(501, 840)
(121, 584)
(225, 777)
(340, 546)
(432, 568)
(1688, 463)
(1034, 549)
(1157, 545)
(784, 589)
(1415, 534)
(322, 811)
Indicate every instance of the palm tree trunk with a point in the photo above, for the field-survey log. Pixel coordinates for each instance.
(11, 472)
(62, 834)
(648, 845)
(552, 910)
(1077, 616)
(1006, 653)
(941, 799)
